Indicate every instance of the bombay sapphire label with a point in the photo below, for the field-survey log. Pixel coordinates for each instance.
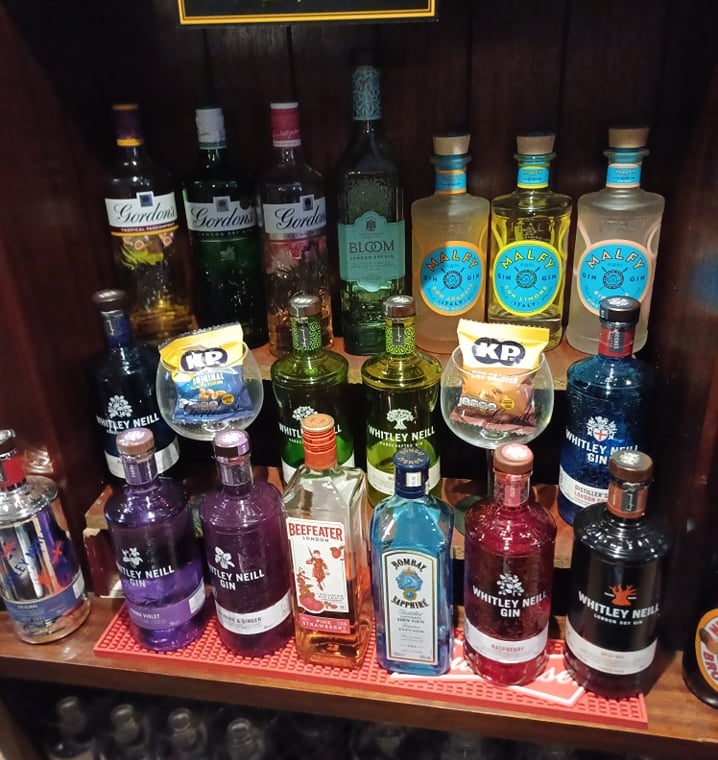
(613, 268)
(526, 277)
(452, 278)
(371, 251)
(220, 218)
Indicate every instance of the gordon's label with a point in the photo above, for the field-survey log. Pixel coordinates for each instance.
(452, 278)
(308, 215)
(526, 277)
(220, 217)
(146, 212)
(371, 251)
(706, 644)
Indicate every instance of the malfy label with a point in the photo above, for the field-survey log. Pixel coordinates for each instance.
(706, 644)
(526, 277)
(219, 218)
(452, 278)
(308, 215)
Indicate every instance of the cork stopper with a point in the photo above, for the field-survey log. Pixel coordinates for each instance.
(620, 309)
(451, 144)
(628, 137)
(7, 441)
(110, 300)
(135, 442)
(231, 443)
(319, 441)
(535, 143)
(304, 306)
(399, 306)
(513, 459)
(631, 466)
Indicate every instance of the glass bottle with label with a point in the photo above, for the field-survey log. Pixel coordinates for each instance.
(411, 573)
(220, 206)
(294, 211)
(616, 568)
(150, 249)
(123, 380)
(370, 219)
(155, 548)
(508, 574)
(529, 243)
(323, 506)
(401, 388)
(246, 552)
(310, 380)
(449, 230)
(41, 584)
(609, 400)
(617, 236)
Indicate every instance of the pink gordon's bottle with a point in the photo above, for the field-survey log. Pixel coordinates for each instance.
(508, 564)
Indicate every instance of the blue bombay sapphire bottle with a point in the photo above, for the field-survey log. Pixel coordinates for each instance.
(411, 572)
(609, 398)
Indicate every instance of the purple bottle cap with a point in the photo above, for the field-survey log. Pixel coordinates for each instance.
(231, 443)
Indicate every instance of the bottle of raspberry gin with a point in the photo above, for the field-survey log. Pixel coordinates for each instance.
(508, 573)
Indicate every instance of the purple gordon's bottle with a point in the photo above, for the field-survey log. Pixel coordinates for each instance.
(156, 550)
(247, 553)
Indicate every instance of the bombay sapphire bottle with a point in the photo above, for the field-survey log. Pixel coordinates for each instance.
(156, 551)
(609, 398)
(411, 572)
(246, 551)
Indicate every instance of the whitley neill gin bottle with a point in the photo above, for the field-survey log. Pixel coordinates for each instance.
(246, 551)
(156, 551)
(616, 567)
(508, 574)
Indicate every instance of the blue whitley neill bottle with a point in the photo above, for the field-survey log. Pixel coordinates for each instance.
(609, 399)
(411, 572)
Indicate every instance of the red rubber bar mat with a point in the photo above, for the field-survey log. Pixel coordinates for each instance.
(553, 694)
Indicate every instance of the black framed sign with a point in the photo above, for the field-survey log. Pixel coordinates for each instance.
(205, 12)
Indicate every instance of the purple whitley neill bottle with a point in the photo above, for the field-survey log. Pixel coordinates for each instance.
(247, 553)
(156, 551)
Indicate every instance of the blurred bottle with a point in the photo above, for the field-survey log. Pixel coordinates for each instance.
(466, 746)
(376, 741)
(74, 732)
(186, 736)
(129, 735)
(243, 740)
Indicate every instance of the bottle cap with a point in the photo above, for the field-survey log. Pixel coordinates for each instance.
(304, 306)
(231, 443)
(628, 137)
(411, 472)
(71, 716)
(399, 306)
(619, 309)
(110, 300)
(513, 459)
(451, 144)
(7, 442)
(631, 466)
(125, 724)
(135, 442)
(319, 441)
(535, 143)
(183, 731)
(240, 732)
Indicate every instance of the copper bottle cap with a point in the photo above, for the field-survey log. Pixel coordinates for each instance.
(513, 459)
(135, 442)
(628, 137)
(535, 143)
(451, 144)
(319, 441)
(631, 466)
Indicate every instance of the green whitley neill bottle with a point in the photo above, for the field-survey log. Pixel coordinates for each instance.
(310, 380)
(401, 391)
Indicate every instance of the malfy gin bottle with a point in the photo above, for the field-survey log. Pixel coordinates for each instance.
(617, 236)
(294, 211)
(220, 206)
(323, 506)
(529, 243)
(156, 550)
(448, 249)
(310, 380)
(410, 540)
(123, 381)
(609, 400)
(616, 574)
(508, 574)
(246, 551)
(150, 249)
(370, 221)
(41, 583)
(401, 388)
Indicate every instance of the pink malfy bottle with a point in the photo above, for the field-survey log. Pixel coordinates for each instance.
(508, 575)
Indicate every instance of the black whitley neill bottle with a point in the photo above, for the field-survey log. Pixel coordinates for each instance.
(614, 605)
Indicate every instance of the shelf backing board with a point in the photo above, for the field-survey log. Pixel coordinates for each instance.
(553, 695)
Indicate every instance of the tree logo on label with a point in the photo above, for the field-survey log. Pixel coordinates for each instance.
(399, 417)
(119, 406)
(510, 585)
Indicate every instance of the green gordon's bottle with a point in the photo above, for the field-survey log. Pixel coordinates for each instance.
(401, 391)
(310, 380)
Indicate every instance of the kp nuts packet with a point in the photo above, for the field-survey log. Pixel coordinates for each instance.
(206, 369)
(499, 363)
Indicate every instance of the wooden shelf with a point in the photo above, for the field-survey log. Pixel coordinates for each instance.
(678, 724)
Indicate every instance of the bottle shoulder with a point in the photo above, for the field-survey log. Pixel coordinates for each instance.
(513, 530)
(367, 153)
(600, 373)
(36, 494)
(324, 495)
(418, 370)
(325, 367)
(222, 508)
(451, 205)
(135, 506)
(628, 201)
(532, 202)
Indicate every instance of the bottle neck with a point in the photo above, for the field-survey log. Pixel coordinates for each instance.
(117, 328)
(533, 171)
(624, 167)
(236, 474)
(400, 338)
(132, 154)
(12, 472)
(616, 339)
(306, 335)
(627, 500)
(289, 155)
(450, 174)
(140, 470)
(511, 491)
(211, 155)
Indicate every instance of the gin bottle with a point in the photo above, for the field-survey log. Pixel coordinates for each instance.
(220, 206)
(529, 244)
(401, 388)
(130, 736)
(242, 741)
(448, 250)
(323, 505)
(609, 400)
(186, 736)
(370, 220)
(508, 575)
(150, 250)
(616, 568)
(310, 380)
(72, 733)
(616, 246)
(295, 237)
(411, 573)
(246, 552)
(123, 381)
(41, 584)
(155, 548)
